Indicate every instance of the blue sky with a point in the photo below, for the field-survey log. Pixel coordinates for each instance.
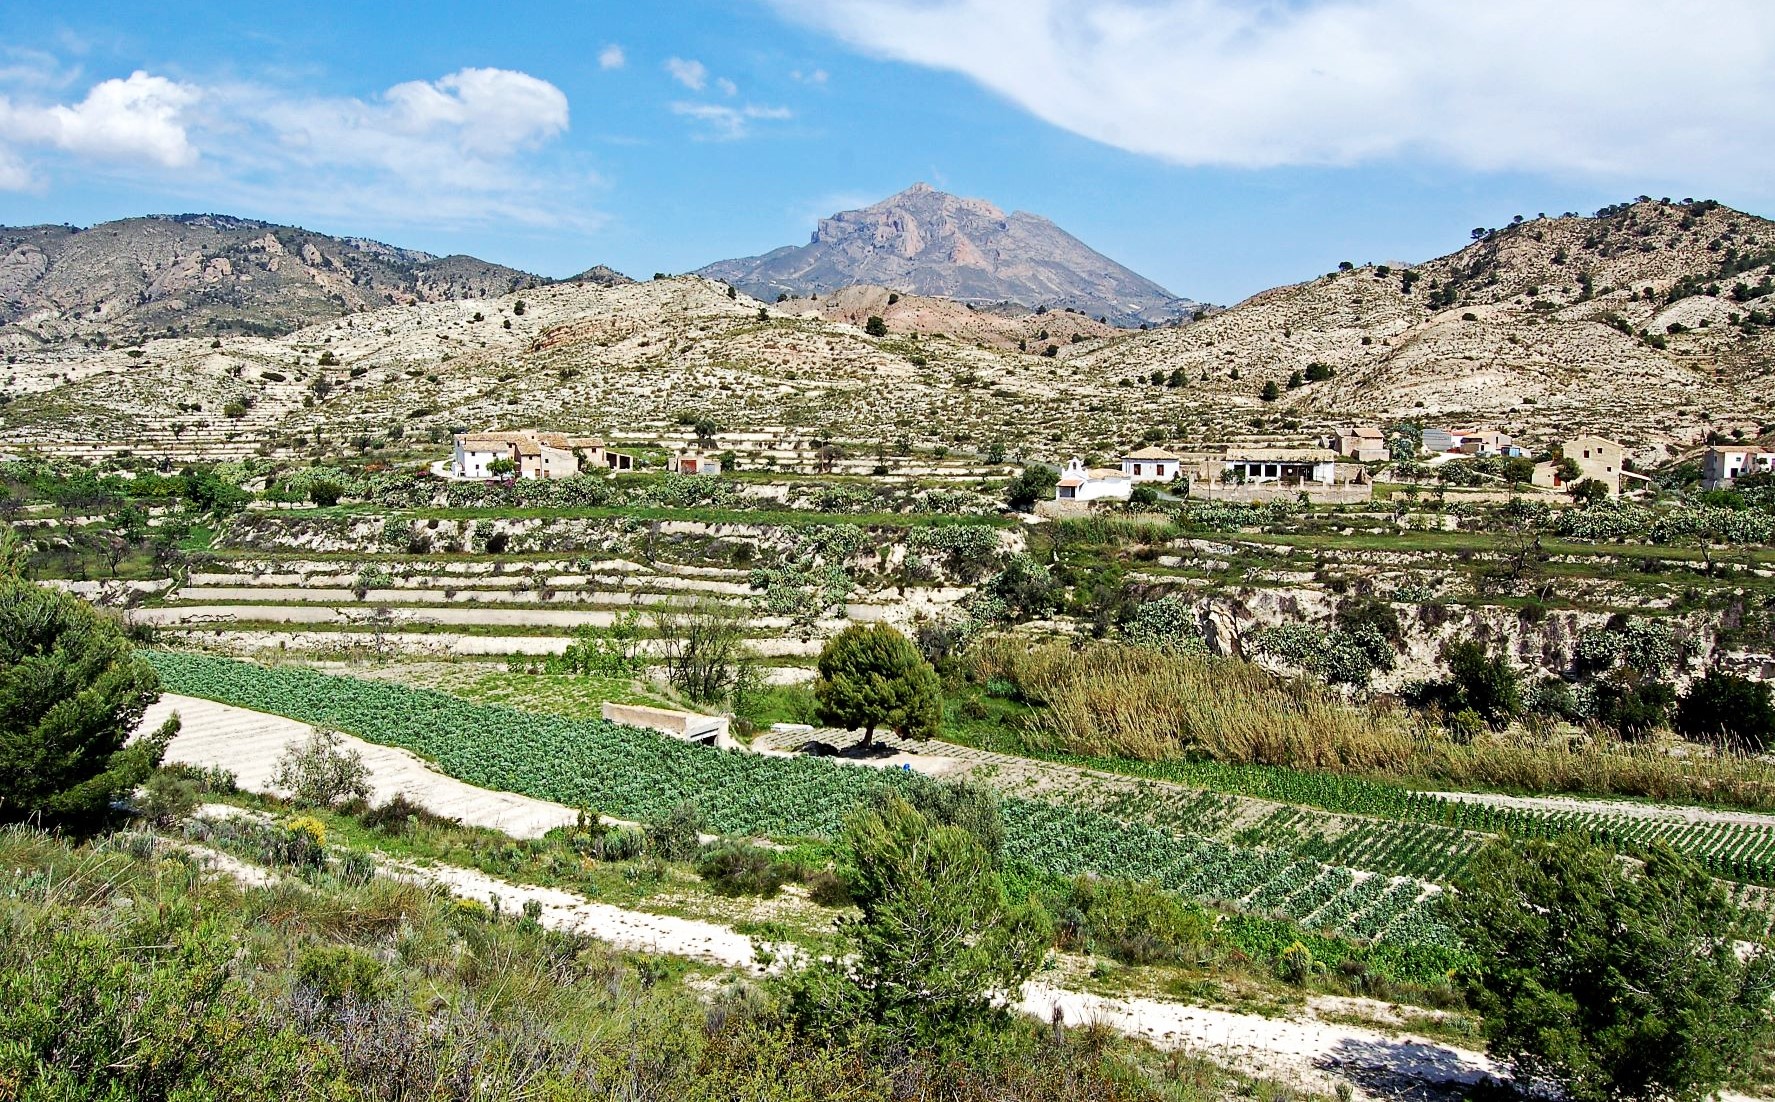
(1217, 146)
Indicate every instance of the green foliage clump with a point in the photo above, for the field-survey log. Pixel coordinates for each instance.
(872, 676)
(1729, 711)
(677, 835)
(71, 692)
(321, 771)
(936, 940)
(1133, 922)
(735, 868)
(1609, 981)
(1478, 682)
(1032, 484)
(1341, 656)
(1167, 624)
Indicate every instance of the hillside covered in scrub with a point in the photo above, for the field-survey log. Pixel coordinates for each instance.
(1648, 322)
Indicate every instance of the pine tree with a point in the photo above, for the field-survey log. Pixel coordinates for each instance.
(872, 676)
(71, 692)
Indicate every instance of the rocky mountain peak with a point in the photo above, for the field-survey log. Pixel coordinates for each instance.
(928, 242)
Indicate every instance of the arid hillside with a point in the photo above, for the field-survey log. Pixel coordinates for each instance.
(211, 274)
(1650, 320)
(1650, 323)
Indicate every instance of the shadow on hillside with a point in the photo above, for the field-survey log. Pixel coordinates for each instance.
(1410, 1071)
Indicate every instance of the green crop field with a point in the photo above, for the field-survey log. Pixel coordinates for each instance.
(639, 775)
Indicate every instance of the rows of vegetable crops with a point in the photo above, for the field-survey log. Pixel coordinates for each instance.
(639, 775)
(1431, 836)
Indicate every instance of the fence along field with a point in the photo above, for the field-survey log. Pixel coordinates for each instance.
(634, 774)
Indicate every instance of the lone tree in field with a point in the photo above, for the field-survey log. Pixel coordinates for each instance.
(1611, 981)
(71, 691)
(874, 677)
(875, 327)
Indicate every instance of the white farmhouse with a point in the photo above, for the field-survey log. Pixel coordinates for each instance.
(1151, 465)
(1079, 483)
(533, 454)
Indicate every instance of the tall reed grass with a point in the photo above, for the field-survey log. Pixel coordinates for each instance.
(1116, 701)
(1109, 700)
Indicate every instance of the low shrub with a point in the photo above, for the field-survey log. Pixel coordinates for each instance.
(736, 868)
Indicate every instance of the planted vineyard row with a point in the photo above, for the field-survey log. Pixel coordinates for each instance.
(635, 774)
(1744, 852)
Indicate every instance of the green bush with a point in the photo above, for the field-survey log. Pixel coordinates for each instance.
(337, 973)
(676, 836)
(735, 868)
(1608, 980)
(71, 692)
(1728, 710)
(1133, 922)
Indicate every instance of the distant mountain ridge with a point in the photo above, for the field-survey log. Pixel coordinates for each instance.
(927, 242)
(212, 273)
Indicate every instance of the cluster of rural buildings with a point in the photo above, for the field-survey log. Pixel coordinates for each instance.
(535, 453)
(532, 453)
(1722, 467)
(1336, 471)
(1228, 473)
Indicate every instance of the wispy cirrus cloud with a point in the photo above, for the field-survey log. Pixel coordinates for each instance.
(719, 122)
(694, 75)
(1582, 86)
(470, 146)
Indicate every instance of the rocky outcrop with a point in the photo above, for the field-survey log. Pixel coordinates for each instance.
(926, 242)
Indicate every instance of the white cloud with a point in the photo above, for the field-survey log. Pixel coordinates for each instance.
(816, 77)
(612, 57)
(723, 123)
(140, 118)
(14, 175)
(471, 146)
(694, 75)
(1585, 86)
(727, 87)
(471, 117)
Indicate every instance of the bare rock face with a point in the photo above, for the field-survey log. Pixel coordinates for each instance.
(925, 242)
(211, 274)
